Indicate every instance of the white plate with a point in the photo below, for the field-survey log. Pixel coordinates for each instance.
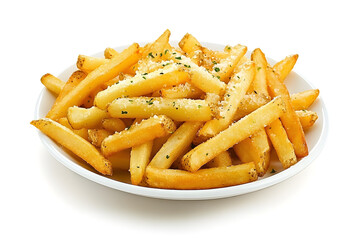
(315, 137)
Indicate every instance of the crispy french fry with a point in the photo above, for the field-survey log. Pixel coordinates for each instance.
(139, 160)
(225, 68)
(199, 76)
(284, 67)
(145, 131)
(307, 118)
(52, 83)
(76, 144)
(289, 120)
(109, 53)
(88, 64)
(250, 103)
(155, 50)
(85, 117)
(202, 179)
(142, 85)
(235, 92)
(221, 160)
(176, 109)
(259, 85)
(185, 90)
(175, 145)
(303, 100)
(237, 132)
(189, 44)
(113, 124)
(96, 136)
(281, 143)
(93, 80)
(255, 149)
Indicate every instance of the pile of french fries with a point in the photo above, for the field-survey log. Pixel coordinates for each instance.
(184, 117)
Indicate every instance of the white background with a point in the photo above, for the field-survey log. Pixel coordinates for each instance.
(42, 199)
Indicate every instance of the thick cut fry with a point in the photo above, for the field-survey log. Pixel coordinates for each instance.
(52, 83)
(225, 68)
(307, 118)
(139, 160)
(284, 67)
(303, 100)
(221, 160)
(95, 79)
(189, 44)
(142, 85)
(199, 76)
(97, 136)
(76, 144)
(181, 91)
(237, 132)
(113, 124)
(281, 143)
(259, 85)
(289, 120)
(250, 103)
(176, 109)
(255, 149)
(83, 132)
(235, 92)
(175, 145)
(88, 64)
(85, 117)
(109, 53)
(202, 179)
(145, 131)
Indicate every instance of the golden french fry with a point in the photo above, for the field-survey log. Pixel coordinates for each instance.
(225, 68)
(202, 179)
(255, 149)
(221, 160)
(144, 107)
(85, 117)
(88, 64)
(235, 92)
(281, 143)
(185, 90)
(175, 145)
(52, 83)
(250, 103)
(147, 130)
(259, 85)
(95, 79)
(120, 160)
(290, 120)
(139, 160)
(303, 100)
(284, 67)
(96, 136)
(142, 85)
(154, 52)
(237, 132)
(113, 124)
(190, 45)
(109, 53)
(76, 144)
(307, 118)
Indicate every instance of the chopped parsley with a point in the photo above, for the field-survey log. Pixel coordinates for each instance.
(151, 55)
(178, 58)
(166, 51)
(273, 171)
(144, 77)
(167, 156)
(214, 62)
(124, 112)
(188, 66)
(217, 69)
(199, 106)
(258, 68)
(150, 102)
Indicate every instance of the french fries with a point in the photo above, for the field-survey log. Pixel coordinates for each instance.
(52, 83)
(145, 107)
(248, 125)
(94, 79)
(180, 118)
(202, 179)
(147, 130)
(74, 143)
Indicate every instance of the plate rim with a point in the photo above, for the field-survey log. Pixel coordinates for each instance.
(173, 194)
